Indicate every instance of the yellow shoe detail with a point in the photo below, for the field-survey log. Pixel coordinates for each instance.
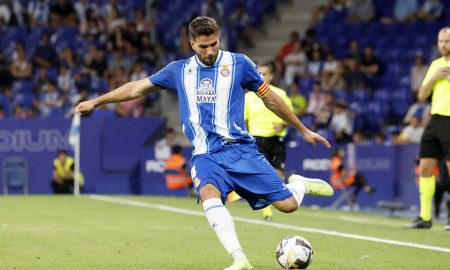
(314, 187)
(240, 265)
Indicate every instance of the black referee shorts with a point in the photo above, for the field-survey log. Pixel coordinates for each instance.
(435, 142)
(274, 149)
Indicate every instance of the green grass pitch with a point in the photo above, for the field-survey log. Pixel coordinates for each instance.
(65, 232)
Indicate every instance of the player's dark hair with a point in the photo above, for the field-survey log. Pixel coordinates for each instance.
(335, 152)
(203, 26)
(63, 151)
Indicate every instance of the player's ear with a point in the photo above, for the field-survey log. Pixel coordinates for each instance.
(192, 43)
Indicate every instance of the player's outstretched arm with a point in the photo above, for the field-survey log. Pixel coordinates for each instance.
(276, 104)
(130, 90)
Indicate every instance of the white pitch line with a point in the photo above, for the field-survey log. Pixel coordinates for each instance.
(270, 224)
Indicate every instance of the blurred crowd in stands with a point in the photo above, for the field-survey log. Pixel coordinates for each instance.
(56, 53)
(352, 76)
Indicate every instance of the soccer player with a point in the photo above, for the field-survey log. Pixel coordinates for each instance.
(435, 142)
(210, 87)
(267, 128)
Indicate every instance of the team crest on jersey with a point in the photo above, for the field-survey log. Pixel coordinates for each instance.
(189, 71)
(206, 92)
(225, 72)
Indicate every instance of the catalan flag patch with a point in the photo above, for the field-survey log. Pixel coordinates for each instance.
(263, 89)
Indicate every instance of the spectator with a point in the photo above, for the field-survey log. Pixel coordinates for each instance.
(431, 10)
(20, 67)
(240, 20)
(95, 62)
(138, 72)
(105, 112)
(341, 123)
(120, 61)
(343, 176)
(370, 66)
(295, 64)
(41, 81)
(46, 55)
(315, 66)
(298, 100)
(62, 13)
(114, 20)
(379, 139)
(317, 99)
(332, 74)
(19, 112)
(176, 172)
(5, 73)
(38, 12)
(134, 108)
(76, 98)
(405, 10)
(132, 36)
(11, 12)
(143, 24)
(417, 74)
(359, 139)
(183, 43)
(213, 9)
(354, 51)
(67, 58)
(360, 11)
(94, 28)
(421, 109)
(163, 147)
(319, 14)
(81, 7)
(65, 81)
(50, 103)
(147, 52)
(412, 133)
(63, 174)
(323, 116)
(286, 49)
(353, 76)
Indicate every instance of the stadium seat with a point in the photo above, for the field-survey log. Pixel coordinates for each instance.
(358, 108)
(398, 109)
(381, 94)
(308, 120)
(361, 95)
(23, 87)
(378, 108)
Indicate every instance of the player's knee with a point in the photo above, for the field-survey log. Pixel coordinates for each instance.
(287, 206)
(426, 171)
(209, 191)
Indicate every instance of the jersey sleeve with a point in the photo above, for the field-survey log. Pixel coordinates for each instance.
(253, 79)
(247, 106)
(430, 72)
(166, 77)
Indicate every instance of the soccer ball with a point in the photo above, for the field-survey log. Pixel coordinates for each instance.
(294, 252)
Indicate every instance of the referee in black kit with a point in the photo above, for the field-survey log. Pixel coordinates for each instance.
(435, 143)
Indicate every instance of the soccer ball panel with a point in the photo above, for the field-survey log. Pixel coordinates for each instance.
(294, 252)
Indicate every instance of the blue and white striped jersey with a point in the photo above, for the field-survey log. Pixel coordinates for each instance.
(211, 98)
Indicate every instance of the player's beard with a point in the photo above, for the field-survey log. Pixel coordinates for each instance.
(208, 60)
